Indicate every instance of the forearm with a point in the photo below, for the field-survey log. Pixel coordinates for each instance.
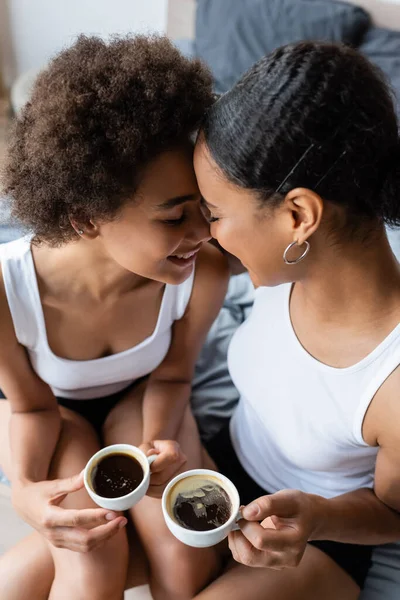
(164, 406)
(33, 437)
(356, 518)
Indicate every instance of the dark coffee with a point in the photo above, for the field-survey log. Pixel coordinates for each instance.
(202, 506)
(116, 475)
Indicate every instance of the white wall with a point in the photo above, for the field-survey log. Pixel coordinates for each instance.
(32, 31)
(385, 13)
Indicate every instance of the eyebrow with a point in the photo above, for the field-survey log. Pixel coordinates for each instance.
(208, 204)
(172, 202)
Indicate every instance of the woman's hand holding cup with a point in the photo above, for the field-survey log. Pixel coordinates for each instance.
(168, 463)
(275, 530)
(79, 530)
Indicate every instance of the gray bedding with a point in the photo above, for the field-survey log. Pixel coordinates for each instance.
(231, 36)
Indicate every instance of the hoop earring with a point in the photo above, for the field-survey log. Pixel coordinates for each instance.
(300, 258)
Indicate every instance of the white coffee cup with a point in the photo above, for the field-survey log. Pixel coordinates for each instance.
(202, 539)
(129, 500)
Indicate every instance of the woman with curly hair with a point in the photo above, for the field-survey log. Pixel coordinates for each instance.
(103, 309)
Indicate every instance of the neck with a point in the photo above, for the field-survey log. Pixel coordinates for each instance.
(83, 266)
(358, 281)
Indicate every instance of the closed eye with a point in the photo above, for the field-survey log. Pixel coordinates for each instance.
(206, 212)
(175, 222)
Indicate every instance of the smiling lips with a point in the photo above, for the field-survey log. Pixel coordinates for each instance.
(187, 255)
(184, 260)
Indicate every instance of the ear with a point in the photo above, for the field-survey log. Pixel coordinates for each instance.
(306, 209)
(87, 229)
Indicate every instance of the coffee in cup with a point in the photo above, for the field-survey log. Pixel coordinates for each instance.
(117, 477)
(200, 503)
(201, 507)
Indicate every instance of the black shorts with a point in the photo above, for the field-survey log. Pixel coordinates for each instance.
(354, 559)
(96, 410)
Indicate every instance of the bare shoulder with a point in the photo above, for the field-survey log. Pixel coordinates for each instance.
(209, 289)
(381, 423)
(210, 285)
(212, 266)
(383, 415)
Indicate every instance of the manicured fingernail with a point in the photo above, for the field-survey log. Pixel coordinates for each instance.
(252, 510)
(123, 523)
(110, 516)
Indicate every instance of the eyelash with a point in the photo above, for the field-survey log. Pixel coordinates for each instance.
(182, 219)
(206, 213)
(176, 222)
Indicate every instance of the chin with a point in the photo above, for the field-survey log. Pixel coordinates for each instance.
(264, 280)
(172, 277)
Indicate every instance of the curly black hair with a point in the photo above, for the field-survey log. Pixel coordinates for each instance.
(313, 115)
(98, 114)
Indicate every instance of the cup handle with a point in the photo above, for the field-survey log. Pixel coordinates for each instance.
(151, 459)
(235, 526)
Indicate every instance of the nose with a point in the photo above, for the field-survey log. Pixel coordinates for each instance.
(200, 232)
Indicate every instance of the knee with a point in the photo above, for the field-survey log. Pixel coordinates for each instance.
(76, 429)
(97, 588)
(111, 428)
(77, 443)
(97, 575)
(180, 573)
(115, 430)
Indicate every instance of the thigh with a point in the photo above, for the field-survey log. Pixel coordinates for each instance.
(315, 578)
(124, 422)
(196, 566)
(27, 570)
(77, 443)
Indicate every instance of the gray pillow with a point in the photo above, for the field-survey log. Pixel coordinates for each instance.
(382, 47)
(232, 35)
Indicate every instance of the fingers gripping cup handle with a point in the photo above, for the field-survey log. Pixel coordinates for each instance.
(151, 459)
(235, 526)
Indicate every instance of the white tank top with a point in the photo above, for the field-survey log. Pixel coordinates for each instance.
(83, 379)
(298, 424)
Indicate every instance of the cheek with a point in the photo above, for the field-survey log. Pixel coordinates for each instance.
(147, 244)
(231, 235)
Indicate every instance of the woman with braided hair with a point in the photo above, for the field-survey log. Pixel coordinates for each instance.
(299, 168)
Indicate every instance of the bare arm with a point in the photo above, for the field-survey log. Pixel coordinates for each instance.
(359, 517)
(35, 421)
(34, 433)
(169, 387)
(372, 516)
